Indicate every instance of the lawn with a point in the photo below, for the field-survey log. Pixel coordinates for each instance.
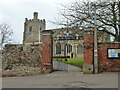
(73, 61)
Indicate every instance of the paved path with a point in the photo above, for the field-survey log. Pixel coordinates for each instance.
(64, 67)
(63, 79)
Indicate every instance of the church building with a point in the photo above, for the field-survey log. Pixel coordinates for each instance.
(66, 41)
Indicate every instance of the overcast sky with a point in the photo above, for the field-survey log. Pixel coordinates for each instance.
(14, 12)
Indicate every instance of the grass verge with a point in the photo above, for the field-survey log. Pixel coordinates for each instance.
(73, 61)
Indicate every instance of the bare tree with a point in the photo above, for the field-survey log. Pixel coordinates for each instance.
(5, 33)
(81, 14)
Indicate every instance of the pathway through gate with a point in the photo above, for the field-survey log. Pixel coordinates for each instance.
(63, 64)
(64, 67)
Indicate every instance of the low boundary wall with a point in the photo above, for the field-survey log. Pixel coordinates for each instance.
(35, 59)
(105, 64)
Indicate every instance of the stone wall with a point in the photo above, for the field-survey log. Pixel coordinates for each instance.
(105, 64)
(35, 59)
(23, 62)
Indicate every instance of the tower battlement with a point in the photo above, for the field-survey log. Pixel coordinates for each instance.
(32, 29)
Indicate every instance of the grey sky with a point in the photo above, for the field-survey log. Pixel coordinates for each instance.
(14, 12)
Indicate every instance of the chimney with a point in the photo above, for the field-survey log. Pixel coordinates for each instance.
(35, 15)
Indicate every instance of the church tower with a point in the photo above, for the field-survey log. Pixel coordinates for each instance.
(32, 29)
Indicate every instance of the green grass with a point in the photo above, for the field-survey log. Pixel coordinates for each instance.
(73, 61)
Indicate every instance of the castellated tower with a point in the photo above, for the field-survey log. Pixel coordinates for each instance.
(32, 29)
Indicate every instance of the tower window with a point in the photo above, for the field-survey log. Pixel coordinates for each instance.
(30, 29)
(29, 35)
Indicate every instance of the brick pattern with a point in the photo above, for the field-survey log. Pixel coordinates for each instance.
(88, 48)
(105, 64)
(46, 54)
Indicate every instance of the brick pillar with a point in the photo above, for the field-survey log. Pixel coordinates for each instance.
(88, 51)
(47, 52)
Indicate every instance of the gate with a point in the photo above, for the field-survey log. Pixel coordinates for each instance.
(60, 63)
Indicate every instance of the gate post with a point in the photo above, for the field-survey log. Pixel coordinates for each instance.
(88, 51)
(47, 51)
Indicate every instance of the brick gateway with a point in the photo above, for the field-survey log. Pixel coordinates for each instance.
(105, 64)
(45, 48)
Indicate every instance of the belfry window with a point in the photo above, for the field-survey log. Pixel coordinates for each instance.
(29, 35)
(79, 49)
(69, 49)
(30, 29)
(58, 48)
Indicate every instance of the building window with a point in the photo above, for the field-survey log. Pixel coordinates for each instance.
(69, 49)
(29, 35)
(30, 29)
(79, 49)
(58, 48)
